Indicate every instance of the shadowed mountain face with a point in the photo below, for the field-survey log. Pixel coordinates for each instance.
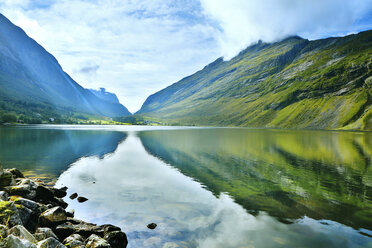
(31, 78)
(49, 152)
(288, 174)
(294, 83)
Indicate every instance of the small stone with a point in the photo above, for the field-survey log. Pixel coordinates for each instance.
(21, 232)
(53, 216)
(50, 243)
(95, 241)
(73, 196)
(59, 193)
(82, 199)
(152, 226)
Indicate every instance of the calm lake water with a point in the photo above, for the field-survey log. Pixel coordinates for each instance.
(207, 187)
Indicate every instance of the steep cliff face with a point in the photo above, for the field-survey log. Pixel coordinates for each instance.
(294, 83)
(29, 75)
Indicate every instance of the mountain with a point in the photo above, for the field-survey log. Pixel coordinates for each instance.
(293, 83)
(32, 81)
(105, 95)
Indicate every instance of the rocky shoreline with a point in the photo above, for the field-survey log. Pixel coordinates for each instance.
(33, 215)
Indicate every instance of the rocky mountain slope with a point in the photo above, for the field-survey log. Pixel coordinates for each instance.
(294, 83)
(32, 81)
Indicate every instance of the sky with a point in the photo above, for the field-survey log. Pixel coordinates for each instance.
(135, 48)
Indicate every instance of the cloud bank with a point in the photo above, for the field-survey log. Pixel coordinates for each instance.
(244, 22)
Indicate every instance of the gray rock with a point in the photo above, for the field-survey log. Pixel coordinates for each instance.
(3, 231)
(24, 190)
(152, 226)
(70, 213)
(9, 214)
(22, 233)
(50, 243)
(43, 233)
(6, 179)
(4, 196)
(95, 241)
(53, 216)
(26, 203)
(85, 229)
(14, 242)
(74, 240)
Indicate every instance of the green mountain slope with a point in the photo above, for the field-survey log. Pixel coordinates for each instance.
(32, 82)
(294, 83)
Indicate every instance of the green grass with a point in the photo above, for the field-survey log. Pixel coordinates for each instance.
(295, 83)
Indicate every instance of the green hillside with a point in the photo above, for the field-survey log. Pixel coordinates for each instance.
(294, 83)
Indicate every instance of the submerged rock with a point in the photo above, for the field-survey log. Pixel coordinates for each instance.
(73, 196)
(152, 226)
(82, 199)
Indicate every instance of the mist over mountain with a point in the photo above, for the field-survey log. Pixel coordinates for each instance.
(33, 82)
(294, 83)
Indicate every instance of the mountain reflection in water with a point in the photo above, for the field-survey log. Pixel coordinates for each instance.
(197, 208)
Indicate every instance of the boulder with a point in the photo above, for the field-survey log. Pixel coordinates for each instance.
(22, 233)
(95, 241)
(43, 233)
(44, 193)
(53, 216)
(70, 213)
(24, 190)
(16, 173)
(4, 196)
(116, 239)
(9, 214)
(6, 179)
(74, 240)
(50, 243)
(25, 202)
(59, 193)
(3, 231)
(84, 229)
(15, 242)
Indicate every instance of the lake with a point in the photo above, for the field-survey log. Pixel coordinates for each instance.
(207, 187)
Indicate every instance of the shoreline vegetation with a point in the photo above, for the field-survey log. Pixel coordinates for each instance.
(34, 215)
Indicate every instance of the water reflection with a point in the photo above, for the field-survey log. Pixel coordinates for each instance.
(289, 174)
(132, 188)
(43, 151)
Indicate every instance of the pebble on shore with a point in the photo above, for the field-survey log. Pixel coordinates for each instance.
(33, 215)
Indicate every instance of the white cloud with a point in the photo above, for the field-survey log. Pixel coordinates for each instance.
(137, 47)
(244, 22)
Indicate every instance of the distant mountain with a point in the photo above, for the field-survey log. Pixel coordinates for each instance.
(32, 81)
(105, 95)
(294, 83)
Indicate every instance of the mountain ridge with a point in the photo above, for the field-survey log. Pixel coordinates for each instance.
(30, 75)
(292, 83)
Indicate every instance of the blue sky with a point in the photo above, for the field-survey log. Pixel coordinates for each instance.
(137, 47)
